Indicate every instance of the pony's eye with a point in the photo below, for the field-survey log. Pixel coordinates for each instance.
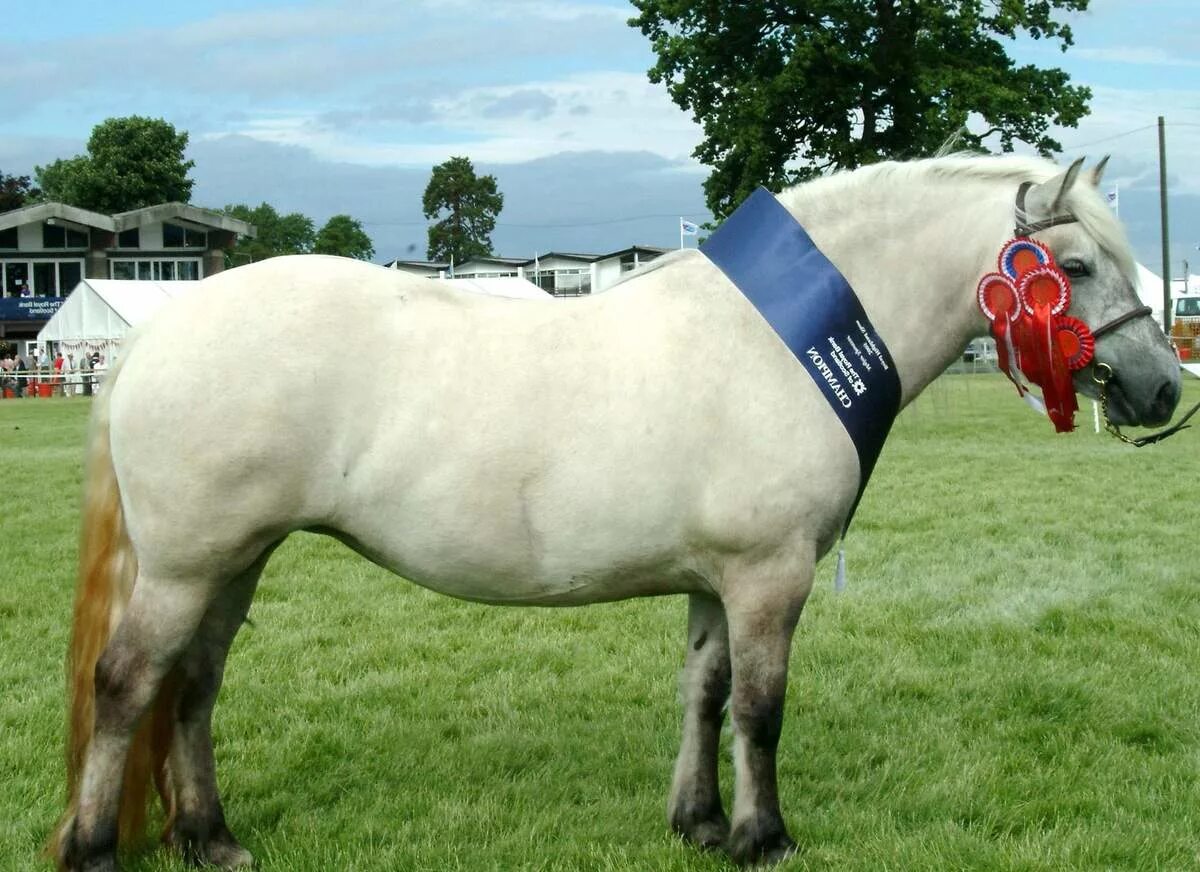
(1074, 268)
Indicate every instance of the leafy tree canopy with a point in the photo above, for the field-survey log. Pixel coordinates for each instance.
(131, 162)
(277, 234)
(787, 89)
(344, 236)
(465, 206)
(16, 191)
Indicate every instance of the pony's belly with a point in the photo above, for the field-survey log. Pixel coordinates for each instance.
(484, 575)
(566, 591)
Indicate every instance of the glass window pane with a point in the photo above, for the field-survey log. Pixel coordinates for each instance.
(188, 270)
(45, 279)
(143, 270)
(123, 269)
(53, 236)
(172, 235)
(165, 270)
(76, 239)
(195, 238)
(69, 274)
(131, 238)
(15, 276)
(8, 238)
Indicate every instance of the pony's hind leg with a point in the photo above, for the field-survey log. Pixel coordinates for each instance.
(159, 622)
(197, 825)
(694, 809)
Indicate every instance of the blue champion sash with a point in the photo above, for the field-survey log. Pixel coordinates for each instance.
(763, 250)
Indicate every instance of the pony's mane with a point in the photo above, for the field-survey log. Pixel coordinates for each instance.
(1083, 200)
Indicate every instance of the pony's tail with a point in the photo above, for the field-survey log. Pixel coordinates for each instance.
(107, 571)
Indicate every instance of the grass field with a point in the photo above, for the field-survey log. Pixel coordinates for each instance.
(1009, 681)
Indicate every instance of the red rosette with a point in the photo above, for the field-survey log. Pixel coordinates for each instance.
(1045, 286)
(998, 297)
(1075, 341)
(1020, 255)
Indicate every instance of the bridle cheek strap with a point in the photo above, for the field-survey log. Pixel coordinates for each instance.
(1024, 227)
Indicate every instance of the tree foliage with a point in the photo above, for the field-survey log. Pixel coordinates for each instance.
(277, 234)
(465, 206)
(16, 191)
(131, 162)
(787, 89)
(345, 237)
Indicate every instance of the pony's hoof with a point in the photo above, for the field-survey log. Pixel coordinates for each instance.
(72, 856)
(229, 856)
(707, 830)
(219, 849)
(757, 842)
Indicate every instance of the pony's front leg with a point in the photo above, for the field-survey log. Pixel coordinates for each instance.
(762, 606)
(694, 809)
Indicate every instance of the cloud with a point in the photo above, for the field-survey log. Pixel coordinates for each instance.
(585, 201)
(584, 112)
(525, 103)
(310, 50)
(1141, 55)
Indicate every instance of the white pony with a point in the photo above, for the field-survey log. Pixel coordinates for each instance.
(655, 439)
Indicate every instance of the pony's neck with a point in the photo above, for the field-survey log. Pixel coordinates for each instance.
(913, 249)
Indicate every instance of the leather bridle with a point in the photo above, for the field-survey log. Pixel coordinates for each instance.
(1102, 373)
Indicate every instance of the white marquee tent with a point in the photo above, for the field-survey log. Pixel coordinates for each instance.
(100, 312)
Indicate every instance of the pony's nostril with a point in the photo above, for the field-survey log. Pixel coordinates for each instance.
(1166, 398)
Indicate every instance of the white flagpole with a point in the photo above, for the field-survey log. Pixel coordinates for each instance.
(680, 233)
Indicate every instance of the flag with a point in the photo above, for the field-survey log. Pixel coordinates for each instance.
(687, 228)
(1112, 197)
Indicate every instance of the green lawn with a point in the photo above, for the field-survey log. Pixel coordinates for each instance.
(1009, 681)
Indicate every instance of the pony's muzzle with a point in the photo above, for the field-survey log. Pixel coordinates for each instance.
(1149, 408)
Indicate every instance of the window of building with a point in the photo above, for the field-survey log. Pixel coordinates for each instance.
(175, 236)
(566, 282)
(8, 239)
(15, 276)
(131, 238)
(42, 278)
(173, 270)
(56, 236)
(70, 273)
(629, 262)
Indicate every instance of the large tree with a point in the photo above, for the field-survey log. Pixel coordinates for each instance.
(15, 191)
(344, 236)
(787, 89)
(277, 234)
(465, 207)
(131, 162)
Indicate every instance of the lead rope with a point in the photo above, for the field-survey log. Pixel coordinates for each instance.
(1102, 374)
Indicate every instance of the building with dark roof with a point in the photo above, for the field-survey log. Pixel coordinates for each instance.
(47, 248)
(563, 274)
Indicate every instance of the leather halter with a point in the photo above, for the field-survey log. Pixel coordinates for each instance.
(1102, 373)
(1024, 227)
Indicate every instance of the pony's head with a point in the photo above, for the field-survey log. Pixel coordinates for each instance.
(1067, 213)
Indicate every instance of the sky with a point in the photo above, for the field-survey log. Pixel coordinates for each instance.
(326, 107)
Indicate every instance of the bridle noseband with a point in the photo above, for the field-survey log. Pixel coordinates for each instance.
(1102, 373)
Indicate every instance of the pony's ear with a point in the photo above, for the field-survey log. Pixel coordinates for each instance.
(1097, 172)
(1045, 200)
